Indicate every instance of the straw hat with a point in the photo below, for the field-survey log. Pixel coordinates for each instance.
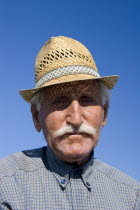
(61, 60)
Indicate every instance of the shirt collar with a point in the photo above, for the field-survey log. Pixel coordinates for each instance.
(64, 171)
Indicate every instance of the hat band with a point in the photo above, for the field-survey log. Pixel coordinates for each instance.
(64, 71)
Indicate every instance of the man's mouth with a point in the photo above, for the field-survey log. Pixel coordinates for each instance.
(76, 134)
(82, 130)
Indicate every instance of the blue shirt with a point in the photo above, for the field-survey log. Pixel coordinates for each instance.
(36, 179)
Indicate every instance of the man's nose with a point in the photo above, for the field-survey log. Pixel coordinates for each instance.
(74, 114)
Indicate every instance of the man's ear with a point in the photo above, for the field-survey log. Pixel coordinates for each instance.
(34, 112)
(106, 106)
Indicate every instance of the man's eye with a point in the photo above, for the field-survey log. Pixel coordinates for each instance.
(61, 102)
(86, 100)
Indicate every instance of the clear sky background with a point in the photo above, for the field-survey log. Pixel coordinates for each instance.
(111, 31)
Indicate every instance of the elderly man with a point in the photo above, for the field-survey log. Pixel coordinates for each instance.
(69, 104)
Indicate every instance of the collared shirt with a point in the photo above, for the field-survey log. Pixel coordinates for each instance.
(36, 179)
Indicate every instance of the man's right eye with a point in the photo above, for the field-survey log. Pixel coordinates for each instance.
(61, 102)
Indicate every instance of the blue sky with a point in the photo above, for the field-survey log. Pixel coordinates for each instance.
(111, 31)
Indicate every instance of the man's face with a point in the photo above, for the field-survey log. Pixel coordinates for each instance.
(75, 106)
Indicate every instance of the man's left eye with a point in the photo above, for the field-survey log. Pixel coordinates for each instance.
(86, 100)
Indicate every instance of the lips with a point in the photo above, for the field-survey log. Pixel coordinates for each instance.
(76, 134)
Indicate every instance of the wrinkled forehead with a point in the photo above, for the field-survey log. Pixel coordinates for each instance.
(73, 88)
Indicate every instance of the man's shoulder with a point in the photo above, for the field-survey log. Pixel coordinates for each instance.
(28, 160)
(115, 175)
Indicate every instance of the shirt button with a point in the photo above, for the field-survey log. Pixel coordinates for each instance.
(63, 181)
(87, 183)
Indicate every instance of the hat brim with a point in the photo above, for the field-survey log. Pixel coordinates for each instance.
(108, 81)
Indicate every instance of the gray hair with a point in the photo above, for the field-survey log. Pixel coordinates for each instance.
(104, 91)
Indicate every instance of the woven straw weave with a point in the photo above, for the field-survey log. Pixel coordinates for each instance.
(61, 60)
(60, 52)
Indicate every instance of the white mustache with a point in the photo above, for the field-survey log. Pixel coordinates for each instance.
(70, 129)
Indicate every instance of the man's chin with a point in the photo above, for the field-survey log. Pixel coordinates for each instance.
(73, 155)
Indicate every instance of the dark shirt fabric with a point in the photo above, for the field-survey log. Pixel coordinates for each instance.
(37, 179)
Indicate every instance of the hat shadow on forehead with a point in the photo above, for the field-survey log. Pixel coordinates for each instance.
(73, 87)
(62, 60)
